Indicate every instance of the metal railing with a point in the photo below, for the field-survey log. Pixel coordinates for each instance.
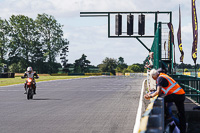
(190, 84)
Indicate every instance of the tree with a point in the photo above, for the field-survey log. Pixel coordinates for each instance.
(24, 38)
(126, 70)
(17, 67)
(51, 35)
(33, 43)
(134, 68)
(108, 65)
(81, 65)
(141, 66)
(63, 57)
(38, 59)
(4, 39)
(121, 65)
(120, 60)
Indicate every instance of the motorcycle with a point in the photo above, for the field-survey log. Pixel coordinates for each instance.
(29, 87)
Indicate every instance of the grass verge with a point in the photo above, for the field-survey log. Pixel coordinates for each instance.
(18, 80)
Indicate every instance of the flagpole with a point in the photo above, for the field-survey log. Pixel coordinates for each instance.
(195, 70)
(183, 68)
(174, 60)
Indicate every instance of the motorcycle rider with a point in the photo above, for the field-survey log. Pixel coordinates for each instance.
(30, 74)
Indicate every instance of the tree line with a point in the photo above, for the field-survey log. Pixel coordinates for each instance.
(112, 65)
(27, 42)
(119, 66)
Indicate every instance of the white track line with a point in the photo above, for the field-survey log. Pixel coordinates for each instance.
(139, 111)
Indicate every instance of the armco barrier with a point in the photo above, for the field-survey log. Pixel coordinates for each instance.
(93, 74)
(152, 120)
(7, 75)
(59, 74)
(76, 74)
(106, 73)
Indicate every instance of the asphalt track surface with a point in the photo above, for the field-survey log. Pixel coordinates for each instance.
(89, 105)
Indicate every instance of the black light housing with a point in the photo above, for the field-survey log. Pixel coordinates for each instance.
(118, 24)
(141, 24)
(130, 19)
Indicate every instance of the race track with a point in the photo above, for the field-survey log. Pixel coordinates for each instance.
(88, 105)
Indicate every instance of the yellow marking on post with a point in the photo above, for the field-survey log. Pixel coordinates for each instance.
(150, 106)
(143, 124)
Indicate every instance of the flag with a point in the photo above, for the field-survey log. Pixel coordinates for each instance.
(172, 30)
(179, 37)
(195, 32)
(172, 37)
(165, 45)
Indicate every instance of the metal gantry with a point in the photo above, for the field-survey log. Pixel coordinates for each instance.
(138, 37)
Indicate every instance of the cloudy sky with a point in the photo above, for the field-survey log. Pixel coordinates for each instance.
(89, 35)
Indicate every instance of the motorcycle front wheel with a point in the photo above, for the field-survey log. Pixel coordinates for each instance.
(30, 93)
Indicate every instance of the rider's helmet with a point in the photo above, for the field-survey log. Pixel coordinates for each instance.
(29, 69)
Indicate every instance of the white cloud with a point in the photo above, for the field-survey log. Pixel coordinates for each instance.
(89, 35)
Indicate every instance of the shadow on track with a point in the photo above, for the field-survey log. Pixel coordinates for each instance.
(45, 99)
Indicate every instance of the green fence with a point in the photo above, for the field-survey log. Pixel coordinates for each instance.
(156, 47)
(162, 48)
(190, 84)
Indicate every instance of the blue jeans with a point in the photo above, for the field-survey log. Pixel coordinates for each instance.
(179, 102)
(168, 106)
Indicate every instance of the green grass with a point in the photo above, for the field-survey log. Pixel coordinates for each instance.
(18, 80)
